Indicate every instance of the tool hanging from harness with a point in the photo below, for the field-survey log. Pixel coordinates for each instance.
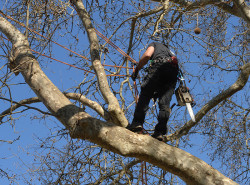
(183, 95)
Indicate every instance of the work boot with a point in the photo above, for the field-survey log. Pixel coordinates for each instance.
(158, 135)
(135, 127)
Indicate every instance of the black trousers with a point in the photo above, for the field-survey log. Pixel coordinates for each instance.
(159, 83)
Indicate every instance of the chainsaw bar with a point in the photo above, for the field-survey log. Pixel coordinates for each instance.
(190, 111)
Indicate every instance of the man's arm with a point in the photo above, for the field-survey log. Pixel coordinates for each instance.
(145, 57)
(143, 61)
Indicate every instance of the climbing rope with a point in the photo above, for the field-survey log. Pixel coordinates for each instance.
(144, 172)
(143, 164)
(68, 49)
(112, 44)
(71, 64)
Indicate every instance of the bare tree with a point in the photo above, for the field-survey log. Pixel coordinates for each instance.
(98, 108)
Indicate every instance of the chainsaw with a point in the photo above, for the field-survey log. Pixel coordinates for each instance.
(184, 97)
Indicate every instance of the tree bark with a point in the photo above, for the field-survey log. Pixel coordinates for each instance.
(239, 9)
(108, 135)
(113, 104)
(47, 92)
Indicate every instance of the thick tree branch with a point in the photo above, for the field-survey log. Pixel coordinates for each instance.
(240, 10)
(174, 160)
(47, 92)
(243, 9)
(113, 104)
(114, 138)
(237, 86)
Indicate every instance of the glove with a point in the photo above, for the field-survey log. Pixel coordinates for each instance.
(134, 74)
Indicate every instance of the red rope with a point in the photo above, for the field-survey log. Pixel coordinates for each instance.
(64, 46)
(108, 41)
(42, 35)
(142, 173)
(70, 64)
(61, 61)
(114, 46)
(145, 165)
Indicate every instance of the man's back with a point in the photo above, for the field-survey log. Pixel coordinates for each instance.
(160, 51)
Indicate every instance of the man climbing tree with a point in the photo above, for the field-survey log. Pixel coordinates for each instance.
(67, 125)
(159, 83)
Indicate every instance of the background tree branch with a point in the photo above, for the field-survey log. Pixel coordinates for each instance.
(74, 96)
(237, 86)
(107, 135)
(210, 60)
(113, 105)
(239, 9)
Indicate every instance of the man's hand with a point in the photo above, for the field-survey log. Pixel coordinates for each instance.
(134, 74)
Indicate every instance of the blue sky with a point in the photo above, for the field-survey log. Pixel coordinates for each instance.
(15, 157)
